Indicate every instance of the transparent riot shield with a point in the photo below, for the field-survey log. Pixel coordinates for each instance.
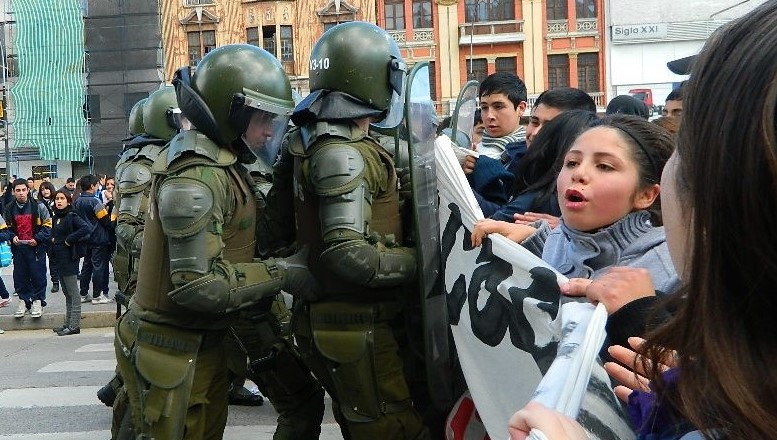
(421, 131)
(463, 119)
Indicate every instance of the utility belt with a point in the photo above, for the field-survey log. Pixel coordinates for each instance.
(182, 340)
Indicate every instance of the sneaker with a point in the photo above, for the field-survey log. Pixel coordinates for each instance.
(58, 329)
(85, 299)
(245, 397)
(36, 310)
(69, 331)
(4, 302)
(1, 331)
(21, 310)
(55, 288)
(102, 299)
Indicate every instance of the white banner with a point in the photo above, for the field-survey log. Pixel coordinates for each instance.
(516, 337)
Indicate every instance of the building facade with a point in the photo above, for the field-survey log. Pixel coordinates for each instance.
(645, 35)
(548, 43)
(286, 28)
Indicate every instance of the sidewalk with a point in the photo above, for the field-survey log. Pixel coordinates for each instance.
(92, 315)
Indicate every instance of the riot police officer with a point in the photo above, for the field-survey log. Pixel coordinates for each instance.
(347, 212)
(152, 123)
(197, 265)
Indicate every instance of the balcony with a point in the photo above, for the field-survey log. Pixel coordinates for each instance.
(583, 26)
(490, 32)
(421, 37)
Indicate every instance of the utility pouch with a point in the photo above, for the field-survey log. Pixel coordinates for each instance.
(343, 333)
(165, 359)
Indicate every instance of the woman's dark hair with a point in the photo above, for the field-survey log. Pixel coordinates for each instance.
(651, 146)
(64, 193)
(724, 329)
(50, 187)
(538, 169)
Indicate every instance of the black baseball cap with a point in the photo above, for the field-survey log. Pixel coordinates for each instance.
(682, 66)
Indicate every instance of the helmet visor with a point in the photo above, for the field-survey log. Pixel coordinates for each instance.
(397, 71)
(262, 125)
(264, 133)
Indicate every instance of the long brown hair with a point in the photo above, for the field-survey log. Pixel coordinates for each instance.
(725, 331)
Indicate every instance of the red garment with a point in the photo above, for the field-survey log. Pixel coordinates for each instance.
(24, 227)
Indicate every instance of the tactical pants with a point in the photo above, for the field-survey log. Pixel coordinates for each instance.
(352, 350)
(277, 370)
(175, 379)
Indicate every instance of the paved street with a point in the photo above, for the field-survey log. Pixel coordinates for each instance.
(48, 385)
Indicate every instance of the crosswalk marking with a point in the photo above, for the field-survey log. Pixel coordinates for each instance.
(48, 397)
(91, 365)
(92, 348)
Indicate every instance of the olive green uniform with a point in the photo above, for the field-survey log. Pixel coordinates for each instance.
(347, 212)
(262, 334)
(196, 269)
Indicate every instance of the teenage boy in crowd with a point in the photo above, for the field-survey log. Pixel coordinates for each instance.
(99, 245)
(502, 103)
(28, 227)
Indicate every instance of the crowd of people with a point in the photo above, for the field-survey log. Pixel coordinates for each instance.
(667, 223)
(61, 227)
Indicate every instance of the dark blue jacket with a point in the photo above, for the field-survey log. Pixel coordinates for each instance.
(102, 225)
(492, 180)
(39, 217)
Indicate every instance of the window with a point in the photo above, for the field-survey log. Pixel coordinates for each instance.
(130, 99)
(588, 72)
(41, 171)
(92, 108)
(432, 81)
(252, 36)
(395, 14)
(506, 64)
(287, 44)
(557, 10)
(268, 39)
(422, 14)
(200, 43)
(478, 69)
(12, 66)
(558, 71)
(585, 8)
(489, 10)
(198, 2)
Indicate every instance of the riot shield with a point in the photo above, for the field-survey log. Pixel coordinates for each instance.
(463, 119)
(421, 118)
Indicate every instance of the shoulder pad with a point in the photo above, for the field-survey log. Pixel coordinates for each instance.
(336, 169)
(194, 148)
(134, 177)
(312, 132)
(150, 152)
(184, 206)
(128, 154)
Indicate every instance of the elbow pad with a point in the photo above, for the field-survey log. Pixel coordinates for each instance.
(361, 263)
(229, 288)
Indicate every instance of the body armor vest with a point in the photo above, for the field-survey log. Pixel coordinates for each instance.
(154, 281)
(385, 216)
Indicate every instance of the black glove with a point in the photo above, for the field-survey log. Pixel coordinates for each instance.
(298, 281)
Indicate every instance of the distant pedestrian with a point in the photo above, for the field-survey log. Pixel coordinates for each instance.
(70, 187)
(102, 226)
(27, 226)
(33, 193)
(46, 196)
(68, 235)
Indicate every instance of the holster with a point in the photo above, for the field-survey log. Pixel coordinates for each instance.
(164, 360)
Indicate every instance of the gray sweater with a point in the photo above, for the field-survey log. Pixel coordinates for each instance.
(632, 241)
